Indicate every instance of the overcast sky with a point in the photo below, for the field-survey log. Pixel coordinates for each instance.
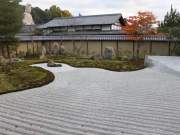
(126, 7)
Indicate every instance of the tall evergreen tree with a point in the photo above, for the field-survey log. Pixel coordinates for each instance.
(171, 26)
(10, 21)
(171, 19)
(10, 17)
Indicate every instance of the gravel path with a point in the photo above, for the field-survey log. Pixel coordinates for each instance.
(96, 102)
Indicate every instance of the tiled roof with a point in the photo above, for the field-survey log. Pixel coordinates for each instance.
(92, 37)
(83, 20)
(27, 30)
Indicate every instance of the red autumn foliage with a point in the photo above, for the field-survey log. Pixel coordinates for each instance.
(141, 24)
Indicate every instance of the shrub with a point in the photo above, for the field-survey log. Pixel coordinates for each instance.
(177, 51)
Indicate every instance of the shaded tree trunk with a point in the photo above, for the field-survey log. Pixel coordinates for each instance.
(3, 52)
(138, 47)
(0, 49)
(174, 48)
(8, 51)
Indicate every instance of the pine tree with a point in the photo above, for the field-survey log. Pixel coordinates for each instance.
(171, 19)
(10, 17)
(10, 22)
(171, 26)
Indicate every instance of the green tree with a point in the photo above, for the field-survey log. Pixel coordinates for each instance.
(39, 16)
(10, 22)
(171, 19)
(66, 13)
(171, 27)
(55, 11)
(174, 35)
(43, 16)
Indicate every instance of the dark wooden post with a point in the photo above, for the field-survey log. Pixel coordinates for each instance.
(49, 48)
(59, 48)
(87, 49)
(138, 47)
(73, 46)
(0, 50)
(117, 47)
(60, 51)
(8, 51)
(3, 52)
(36, 47)
(27, 52)
(33, 46)
(101, 48)
(150, 48)
(39, 47)
(27, 46)
(133, 48)
(169, 46)
(16, 50)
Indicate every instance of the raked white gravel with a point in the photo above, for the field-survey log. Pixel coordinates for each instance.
(64, 68)
(95, 102)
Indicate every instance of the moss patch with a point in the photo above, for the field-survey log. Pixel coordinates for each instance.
(113, 65)
(22, 76)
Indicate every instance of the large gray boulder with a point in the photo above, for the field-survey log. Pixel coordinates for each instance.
(109, 53)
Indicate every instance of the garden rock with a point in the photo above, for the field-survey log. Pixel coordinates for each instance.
(109, 53)
(51, 63)
(15, 60)
(96, 57)
(62, 50)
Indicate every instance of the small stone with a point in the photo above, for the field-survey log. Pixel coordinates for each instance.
(96, 57)
(51, 63)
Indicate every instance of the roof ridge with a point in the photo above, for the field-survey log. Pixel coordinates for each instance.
(86, 16)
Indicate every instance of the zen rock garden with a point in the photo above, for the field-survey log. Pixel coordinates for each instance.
(104, 74)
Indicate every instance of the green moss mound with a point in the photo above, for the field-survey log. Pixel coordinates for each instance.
(112, 65)
(22, 76)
